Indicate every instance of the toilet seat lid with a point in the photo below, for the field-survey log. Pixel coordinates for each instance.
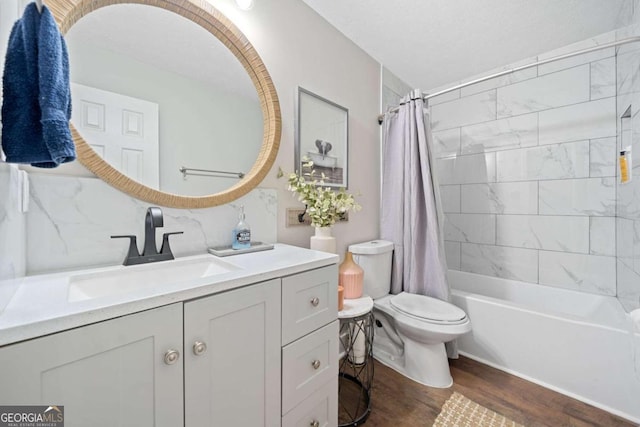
(427, 308)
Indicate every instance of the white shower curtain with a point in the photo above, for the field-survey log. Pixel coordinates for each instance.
(412, 215)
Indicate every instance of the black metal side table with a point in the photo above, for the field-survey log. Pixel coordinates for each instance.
(356, 361)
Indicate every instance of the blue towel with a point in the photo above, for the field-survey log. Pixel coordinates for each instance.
(37, 98)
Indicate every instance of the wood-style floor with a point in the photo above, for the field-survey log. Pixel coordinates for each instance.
(399, 402)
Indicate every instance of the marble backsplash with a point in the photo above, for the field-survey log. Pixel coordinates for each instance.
(12, 224)
(70, 221)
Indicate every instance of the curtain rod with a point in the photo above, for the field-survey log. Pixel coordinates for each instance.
(523, 67)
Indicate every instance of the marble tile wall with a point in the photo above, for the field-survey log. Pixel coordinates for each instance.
(627, 223)
(70, 221)
(527, 167)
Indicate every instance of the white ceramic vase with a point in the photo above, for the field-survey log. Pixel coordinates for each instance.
(323, 240)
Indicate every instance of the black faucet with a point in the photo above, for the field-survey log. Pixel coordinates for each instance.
(153, 220)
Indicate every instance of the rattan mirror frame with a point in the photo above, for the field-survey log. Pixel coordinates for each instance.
(68, 12)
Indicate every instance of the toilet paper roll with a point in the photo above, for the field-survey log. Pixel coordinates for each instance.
(358, 343)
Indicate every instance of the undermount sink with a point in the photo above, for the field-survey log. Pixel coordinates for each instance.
(134, 278)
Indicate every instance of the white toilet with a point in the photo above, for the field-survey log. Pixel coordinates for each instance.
(410, 329)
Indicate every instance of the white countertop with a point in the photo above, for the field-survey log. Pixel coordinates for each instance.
(33, 306)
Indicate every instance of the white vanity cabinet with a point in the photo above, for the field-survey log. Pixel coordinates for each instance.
(111, 373)
(218, 359)
(131, 368)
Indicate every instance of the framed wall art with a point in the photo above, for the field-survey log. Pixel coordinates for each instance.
(322, 136)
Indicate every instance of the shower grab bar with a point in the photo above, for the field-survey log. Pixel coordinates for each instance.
(208, 172)
(522, 67)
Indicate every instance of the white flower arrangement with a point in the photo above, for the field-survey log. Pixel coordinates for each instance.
(324, 205)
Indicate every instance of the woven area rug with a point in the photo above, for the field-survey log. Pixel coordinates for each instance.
(459, 411)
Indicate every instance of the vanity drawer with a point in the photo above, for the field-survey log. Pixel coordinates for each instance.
(309, 301)
(308, 364)
(320, 407)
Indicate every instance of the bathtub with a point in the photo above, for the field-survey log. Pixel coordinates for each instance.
(576, 343)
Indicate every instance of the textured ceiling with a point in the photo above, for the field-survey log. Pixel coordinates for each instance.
(428, 43)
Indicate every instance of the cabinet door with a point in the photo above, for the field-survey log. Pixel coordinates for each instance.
(106, 374)
(236, 380)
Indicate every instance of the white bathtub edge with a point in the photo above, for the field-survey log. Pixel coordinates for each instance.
(552, 387)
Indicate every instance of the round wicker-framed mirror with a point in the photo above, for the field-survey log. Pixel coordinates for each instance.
(68, 12)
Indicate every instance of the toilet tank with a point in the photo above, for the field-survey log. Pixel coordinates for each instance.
(375, 259)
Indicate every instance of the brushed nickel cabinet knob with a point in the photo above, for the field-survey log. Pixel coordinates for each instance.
(199, 348)
(171, 356)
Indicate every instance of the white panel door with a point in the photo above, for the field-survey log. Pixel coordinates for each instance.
(122, 130)
(106, 374)
(236, 381)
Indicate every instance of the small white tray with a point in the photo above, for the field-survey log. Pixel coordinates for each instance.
(228, 250)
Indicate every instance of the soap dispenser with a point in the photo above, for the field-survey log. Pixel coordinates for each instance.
(241, 233)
